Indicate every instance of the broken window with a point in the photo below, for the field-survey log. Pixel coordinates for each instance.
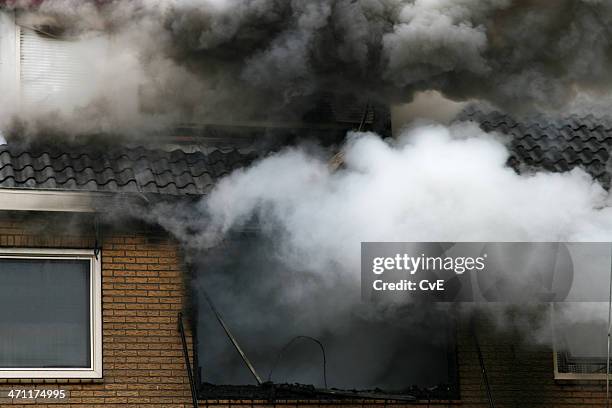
(309, 332)
(50, 314)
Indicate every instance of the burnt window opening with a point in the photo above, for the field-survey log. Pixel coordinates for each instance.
(406, 352)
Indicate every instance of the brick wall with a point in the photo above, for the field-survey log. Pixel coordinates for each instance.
(520, 371)
(142, 292)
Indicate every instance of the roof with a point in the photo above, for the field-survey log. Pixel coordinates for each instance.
(551, 144)
(114, 169)
(555, 145)
(212, 152)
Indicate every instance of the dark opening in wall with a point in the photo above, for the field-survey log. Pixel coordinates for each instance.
(407, 350)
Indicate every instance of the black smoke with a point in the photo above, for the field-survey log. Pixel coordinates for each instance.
(224, 60)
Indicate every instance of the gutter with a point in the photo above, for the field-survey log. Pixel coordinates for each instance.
(20, 199)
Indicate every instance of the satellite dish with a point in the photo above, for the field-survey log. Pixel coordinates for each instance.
(526, 272)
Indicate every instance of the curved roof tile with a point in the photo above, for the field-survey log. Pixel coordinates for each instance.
(553, 144)
(120, 170)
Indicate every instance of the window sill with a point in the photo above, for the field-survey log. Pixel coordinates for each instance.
(329, 402)
(50, 380)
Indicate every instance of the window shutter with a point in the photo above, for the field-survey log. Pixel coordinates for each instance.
(8, 58)
(51, 70)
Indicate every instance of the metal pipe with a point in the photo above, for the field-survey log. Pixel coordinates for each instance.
(232, 338)
(293, 340)
(194, 394)
(483, 368)
(338, 159)
(364, 117)
(609, 326)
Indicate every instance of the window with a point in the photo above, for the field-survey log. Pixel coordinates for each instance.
(52, 70)
(50, 314)
(8, 57)
(580, 343)
(42, 67)
(271, 308)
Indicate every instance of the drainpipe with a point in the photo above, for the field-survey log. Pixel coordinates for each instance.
(483, 368)
(192, 386)
(609, 329)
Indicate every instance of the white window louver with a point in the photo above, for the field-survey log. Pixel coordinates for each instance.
(8, 60)
(51, 71)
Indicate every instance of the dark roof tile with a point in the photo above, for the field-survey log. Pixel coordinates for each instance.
(115, 169)
(551, 143)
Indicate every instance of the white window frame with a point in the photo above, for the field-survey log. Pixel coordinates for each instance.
(95, 302)
(555, 355)
(575, 376)
(10, 52)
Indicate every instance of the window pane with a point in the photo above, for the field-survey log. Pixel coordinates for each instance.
(581, 333)
(44, 313)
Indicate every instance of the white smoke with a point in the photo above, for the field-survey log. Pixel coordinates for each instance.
(216, 60)
(433, 184)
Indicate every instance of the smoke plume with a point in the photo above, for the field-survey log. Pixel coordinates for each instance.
(216, 60)
(153, 64)
(433, 183)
